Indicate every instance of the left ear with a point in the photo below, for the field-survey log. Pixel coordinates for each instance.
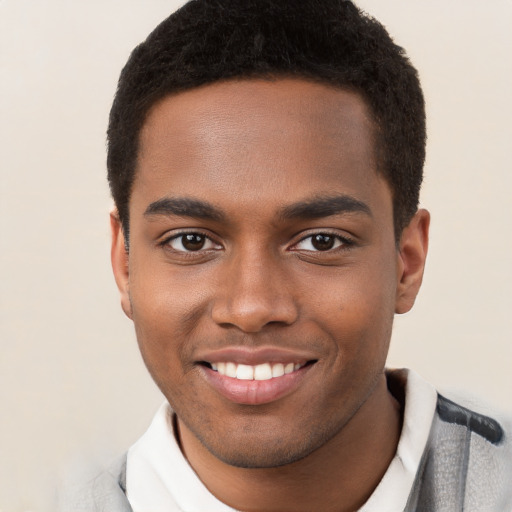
(412, 254)
(119, 258)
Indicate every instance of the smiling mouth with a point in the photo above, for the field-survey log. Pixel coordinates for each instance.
(258, 376)
(264, 371)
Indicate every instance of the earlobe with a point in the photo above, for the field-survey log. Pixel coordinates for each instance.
(411, 260)
(119, 258)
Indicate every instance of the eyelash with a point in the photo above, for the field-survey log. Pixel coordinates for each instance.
(344, 242)
(167, 241)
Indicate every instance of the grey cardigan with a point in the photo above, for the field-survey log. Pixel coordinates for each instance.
(466, 466)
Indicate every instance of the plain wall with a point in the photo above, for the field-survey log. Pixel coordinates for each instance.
(72, 384)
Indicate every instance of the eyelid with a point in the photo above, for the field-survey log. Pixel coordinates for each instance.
(168, 237)
(346, 241)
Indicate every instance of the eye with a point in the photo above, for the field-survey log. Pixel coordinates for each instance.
(321, 242)
(191, 242)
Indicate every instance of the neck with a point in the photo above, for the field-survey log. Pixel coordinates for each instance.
(339, 476)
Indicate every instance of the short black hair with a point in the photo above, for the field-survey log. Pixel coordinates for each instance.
(328, 41)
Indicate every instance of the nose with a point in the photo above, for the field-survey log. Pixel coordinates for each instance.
(255, 292)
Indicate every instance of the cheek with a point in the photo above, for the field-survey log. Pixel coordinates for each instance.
(166, 311)
(357, 309)
(164, 297)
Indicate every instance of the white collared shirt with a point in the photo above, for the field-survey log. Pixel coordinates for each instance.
(159, 478)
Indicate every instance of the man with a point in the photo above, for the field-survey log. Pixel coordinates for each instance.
(265, 159)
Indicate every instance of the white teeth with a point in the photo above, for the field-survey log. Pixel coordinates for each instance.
(278, 370)
(262, 372)
(265, 371)
(289, 368)
(245, 372)
(231, 370)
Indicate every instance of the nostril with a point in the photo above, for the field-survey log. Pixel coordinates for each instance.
(255, 317)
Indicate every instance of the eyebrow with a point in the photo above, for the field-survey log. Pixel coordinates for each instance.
(184, 207)
(316, 208)
(325, 206)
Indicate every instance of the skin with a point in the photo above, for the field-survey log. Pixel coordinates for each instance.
(252, 149)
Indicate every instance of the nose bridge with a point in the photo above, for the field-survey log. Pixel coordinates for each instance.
(254, 291)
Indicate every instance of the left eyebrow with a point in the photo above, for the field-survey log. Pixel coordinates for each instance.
(325, 206)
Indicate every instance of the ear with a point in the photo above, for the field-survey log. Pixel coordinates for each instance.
(412, 254)
(119, 258)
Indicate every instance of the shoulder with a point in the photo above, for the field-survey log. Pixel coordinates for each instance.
(103, 493)
(486, 427)
(467, 464)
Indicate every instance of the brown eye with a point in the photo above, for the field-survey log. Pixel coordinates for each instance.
(322, 242)
(191, 242)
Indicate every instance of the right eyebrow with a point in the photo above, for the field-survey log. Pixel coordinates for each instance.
(184, 207)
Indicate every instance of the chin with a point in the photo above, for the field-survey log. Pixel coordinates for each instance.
(267, 453)
(262, 459)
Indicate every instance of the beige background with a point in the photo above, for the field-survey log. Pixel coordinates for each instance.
(72, 386)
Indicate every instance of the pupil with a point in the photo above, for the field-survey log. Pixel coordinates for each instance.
(193, 242)
(323, 242)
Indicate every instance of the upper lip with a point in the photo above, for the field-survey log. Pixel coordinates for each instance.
(255, 356)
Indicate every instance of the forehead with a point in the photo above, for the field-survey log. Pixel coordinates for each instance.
(250, 139)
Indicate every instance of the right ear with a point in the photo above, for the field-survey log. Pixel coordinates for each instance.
(119, 258)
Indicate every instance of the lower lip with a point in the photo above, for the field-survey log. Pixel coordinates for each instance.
(255, 392)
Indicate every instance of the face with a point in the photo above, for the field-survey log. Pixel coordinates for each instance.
(262, 275)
